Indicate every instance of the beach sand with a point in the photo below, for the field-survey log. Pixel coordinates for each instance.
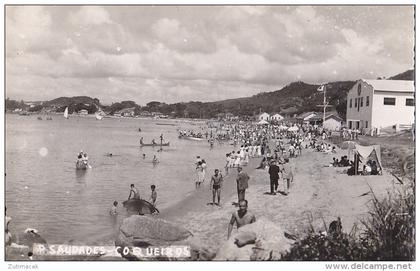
(319, 193)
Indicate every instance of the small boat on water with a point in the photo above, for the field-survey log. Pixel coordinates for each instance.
(140, 206)
(39, 118)
(66, 113)
(98, 116)
(168, 124)
(153, 145)
(82, 165)
(24, 113)
(192, 138)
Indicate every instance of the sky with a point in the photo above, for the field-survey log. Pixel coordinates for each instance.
(198, 53)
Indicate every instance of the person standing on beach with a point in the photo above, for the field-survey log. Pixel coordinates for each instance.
(241, 217)
(241, 183)
(216, 185)
(200, 176)
(287, 175)
(153, 196)
(274, 176)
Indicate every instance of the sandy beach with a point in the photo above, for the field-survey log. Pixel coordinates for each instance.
(319, 193)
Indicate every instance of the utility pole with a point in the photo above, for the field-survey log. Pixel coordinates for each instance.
(325, 104)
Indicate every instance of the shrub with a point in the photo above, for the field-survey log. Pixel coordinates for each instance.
(388, 234)
(390, 228)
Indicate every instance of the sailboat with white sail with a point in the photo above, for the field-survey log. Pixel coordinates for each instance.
(66, 113)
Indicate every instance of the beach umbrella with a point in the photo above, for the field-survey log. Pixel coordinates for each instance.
(140, 206)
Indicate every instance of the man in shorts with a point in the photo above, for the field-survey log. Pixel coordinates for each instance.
(241, 217)
(216, 185)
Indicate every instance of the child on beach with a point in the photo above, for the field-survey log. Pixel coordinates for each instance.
(153, 196)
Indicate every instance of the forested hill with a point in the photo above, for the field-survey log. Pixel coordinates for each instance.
(295, 98)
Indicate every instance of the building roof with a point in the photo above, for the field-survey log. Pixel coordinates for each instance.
(391, 85)
(331, 116)
(305, 115)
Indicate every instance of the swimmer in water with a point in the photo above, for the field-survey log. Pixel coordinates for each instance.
(155, 160)
(144, 156)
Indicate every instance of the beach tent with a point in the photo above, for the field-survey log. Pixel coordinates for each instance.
(364, 153)
(293, 129)
(262, 122)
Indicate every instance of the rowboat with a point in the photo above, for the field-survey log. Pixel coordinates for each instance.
(83, 165)
(153, 145)
(192, 138)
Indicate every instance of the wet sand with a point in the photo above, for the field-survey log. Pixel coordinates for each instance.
(319, 193)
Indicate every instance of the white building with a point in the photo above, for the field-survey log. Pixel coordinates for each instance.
(276, 117)
(264, 116)
(305, 117)
(376, 104)
(83, 112)
(333, 123)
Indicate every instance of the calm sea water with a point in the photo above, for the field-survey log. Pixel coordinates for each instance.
(44, 191)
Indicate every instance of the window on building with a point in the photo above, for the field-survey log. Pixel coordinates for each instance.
(389, 101)
(367, 124)
(361, 101)
(358, 105)
(409, 102)
(367, 100)
(350, 103)
(350, 125)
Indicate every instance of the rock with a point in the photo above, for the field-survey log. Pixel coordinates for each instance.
(270, 243)
(245, 238)
(144, 231)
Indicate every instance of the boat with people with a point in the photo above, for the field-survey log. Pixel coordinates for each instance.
(82, 165)
(153, 144)
(82, 162)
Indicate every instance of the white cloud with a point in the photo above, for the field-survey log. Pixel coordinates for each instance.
(198, 53)
(90, 15)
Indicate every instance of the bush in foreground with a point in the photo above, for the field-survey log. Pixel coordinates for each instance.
(388, 235)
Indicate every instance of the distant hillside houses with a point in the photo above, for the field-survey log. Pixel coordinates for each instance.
(305, 118)
(126, 112)
(83, 112)
(264, 116)
(374, 105)
(276, 117)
